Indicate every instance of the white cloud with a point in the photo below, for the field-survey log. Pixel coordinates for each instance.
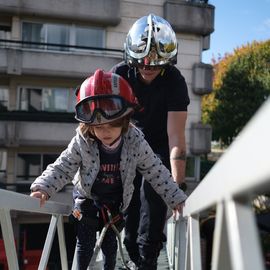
(264, 27)
(266, 23)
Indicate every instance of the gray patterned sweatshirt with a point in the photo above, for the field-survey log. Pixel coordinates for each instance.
(79, 163)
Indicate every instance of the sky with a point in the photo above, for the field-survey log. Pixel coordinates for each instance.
(237, 23)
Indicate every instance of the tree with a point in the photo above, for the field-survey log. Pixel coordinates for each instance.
(241, 84)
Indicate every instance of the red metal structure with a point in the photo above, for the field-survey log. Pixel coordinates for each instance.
(3, 257)
(30, 257)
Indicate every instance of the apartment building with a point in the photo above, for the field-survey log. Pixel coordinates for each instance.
(48, 47)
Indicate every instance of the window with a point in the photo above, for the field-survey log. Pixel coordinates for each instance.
(30, 99)
(3, 165)
(62, 35)
(89, 37)
(194, 168)
(34, 32)
(58, 99)
(57, 34)
(5, 30)
(29, 167)
(3, 99)
(190, 167)
(46, 99)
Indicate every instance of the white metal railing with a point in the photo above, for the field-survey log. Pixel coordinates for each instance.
(15, 201)
(243, 171)
(176, 243)
(239, 175)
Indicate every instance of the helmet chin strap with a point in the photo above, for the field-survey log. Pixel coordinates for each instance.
(114, 144)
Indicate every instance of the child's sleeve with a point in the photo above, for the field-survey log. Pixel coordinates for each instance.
(61, 172)
(77, 198)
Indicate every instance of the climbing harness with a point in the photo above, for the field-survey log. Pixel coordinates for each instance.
(109, 221)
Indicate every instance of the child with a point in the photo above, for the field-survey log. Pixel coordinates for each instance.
(103, 158)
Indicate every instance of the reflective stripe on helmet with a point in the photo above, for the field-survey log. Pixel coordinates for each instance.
(115, 84)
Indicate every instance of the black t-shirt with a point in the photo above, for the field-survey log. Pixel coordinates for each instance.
(107, 188)
(168, 92)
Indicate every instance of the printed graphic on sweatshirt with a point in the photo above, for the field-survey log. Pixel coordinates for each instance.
(108, 184)
(109, 174)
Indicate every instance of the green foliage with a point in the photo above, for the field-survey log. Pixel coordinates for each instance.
(241, 84)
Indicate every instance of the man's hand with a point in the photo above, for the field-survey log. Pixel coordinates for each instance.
(40, 195)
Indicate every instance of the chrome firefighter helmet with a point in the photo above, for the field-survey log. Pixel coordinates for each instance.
(151, 41)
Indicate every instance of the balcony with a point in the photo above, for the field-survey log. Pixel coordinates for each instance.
(18, 58)
(190, 17)
(38, 129)
(106, 12)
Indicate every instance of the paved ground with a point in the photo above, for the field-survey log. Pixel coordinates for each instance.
(162, 261)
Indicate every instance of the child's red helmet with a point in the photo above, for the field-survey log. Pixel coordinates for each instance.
(103, 98)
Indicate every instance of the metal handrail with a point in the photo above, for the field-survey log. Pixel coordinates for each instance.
(57, 45)
(15, 201)
(241, 173)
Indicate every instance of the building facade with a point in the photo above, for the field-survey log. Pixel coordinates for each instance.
(48, 47)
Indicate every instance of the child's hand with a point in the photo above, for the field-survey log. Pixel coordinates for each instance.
(40, 195)
(77, 214)
(178, 209)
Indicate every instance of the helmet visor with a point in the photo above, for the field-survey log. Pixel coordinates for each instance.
(109, 106)
(165, 38)
(138, 37)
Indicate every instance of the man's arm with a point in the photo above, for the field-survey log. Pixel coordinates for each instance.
(177, 143)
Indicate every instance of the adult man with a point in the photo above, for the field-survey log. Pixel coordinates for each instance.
(150, 56)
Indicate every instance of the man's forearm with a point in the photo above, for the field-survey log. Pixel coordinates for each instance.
(177, 144)
(178, 165)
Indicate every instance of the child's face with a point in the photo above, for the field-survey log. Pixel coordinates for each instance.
(107, 133)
